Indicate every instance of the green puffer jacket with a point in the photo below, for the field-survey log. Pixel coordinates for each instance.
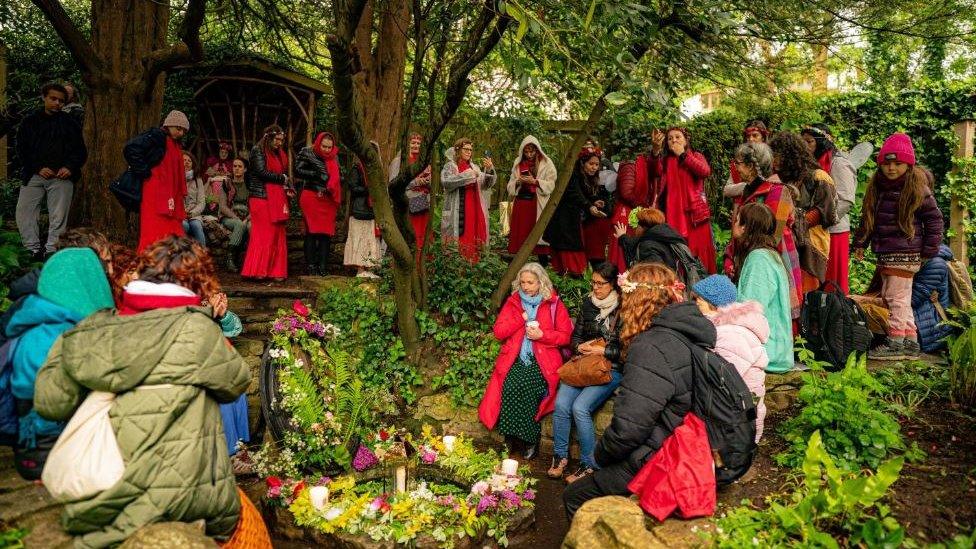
(171, 437)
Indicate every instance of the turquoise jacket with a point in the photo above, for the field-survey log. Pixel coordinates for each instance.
(764, 279)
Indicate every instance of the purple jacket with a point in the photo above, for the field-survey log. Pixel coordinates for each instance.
(887, 237)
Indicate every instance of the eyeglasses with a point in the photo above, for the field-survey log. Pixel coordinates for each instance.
(469, 149)
(598, 284)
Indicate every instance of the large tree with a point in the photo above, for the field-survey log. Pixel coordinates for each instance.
(123, 62)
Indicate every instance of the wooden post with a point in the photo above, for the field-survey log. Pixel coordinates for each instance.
(958, 214)
(3, 108)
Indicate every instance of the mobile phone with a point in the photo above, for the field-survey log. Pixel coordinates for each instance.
(524, 172)
(487, 154)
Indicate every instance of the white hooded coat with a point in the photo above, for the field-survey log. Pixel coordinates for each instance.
(452, 182)
(546, 174)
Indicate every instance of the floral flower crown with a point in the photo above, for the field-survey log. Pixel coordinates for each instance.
(628, 286)
(632, 220)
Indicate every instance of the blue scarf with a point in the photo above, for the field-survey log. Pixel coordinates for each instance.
(531, 306)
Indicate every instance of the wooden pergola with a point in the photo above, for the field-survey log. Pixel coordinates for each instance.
(237, 99)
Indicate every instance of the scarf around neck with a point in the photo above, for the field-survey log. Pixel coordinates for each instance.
(606, 305)
(531, 306)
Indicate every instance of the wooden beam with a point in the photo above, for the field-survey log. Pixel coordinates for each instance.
(958, 214)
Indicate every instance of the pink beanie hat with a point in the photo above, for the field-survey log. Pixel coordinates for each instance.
(898, 147)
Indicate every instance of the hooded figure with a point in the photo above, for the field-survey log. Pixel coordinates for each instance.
(72, 286)
(169, 366)
(530, 198)
(459, 179)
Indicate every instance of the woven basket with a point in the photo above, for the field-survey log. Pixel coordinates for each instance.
(251, 533)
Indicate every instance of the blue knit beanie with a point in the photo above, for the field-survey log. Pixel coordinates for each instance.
(716, 289)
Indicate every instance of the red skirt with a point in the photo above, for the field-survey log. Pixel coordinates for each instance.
(523, 220)
(419, 222)
(621, 213)
(569, 261)
(319, 211)
(838, 263)
(267, 248)
(153, 226)
(596, 232)
(702, 245)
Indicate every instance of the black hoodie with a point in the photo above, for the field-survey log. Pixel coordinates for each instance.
(654, 396)
(654, 246)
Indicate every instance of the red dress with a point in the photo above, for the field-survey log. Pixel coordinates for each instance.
(161, 211)
(267, 249)
(525, 211)
(420, 220)
(319, 209)
(633, 191)
(474, 233)
(682, 184)
(510, 330)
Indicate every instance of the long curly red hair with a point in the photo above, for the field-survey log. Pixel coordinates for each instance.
(181, 261)
(654, 292)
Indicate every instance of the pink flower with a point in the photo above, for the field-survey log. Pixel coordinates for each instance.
(299, 308)
(365, 458)
(428, 456)
(528, 495)
(480, 488)
(512, 498)
(274, 486)
(486, 503)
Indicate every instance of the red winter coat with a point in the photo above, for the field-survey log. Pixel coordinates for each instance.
(681, 475)
(682, 182)
(510, 330)
(633, 191)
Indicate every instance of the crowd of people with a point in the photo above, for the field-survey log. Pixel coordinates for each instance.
(642, 229)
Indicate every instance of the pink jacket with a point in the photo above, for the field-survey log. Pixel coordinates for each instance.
(742, 331)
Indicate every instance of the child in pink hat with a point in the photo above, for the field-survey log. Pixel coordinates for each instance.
(904, 228)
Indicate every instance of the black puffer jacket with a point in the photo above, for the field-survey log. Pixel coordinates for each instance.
(587, 328)
(258, 175)
(310, 171)
(654, 246)
(654, 396)
(359, 206)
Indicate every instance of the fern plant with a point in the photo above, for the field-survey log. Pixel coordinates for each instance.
(962, 356)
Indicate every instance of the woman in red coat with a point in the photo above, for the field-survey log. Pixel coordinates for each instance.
(680, 194)
(161, 210)
(633, 191)
(532, 326)
(267, 183)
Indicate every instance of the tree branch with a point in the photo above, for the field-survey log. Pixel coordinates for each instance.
(77, 43)
(189, 48)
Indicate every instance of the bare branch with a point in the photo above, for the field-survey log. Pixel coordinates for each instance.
(76, 42)
(188, 49)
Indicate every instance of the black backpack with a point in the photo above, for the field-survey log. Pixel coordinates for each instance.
(833, 325)
(689, 268)
(127, 189)
(722, 401)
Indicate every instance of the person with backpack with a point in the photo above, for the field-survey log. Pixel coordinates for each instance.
(532, 327)
(72, 286)
(169, 366)
(760, 276)
(904, 227)
(741, 331)
(155, 161)
(657, 331)
(595, 333)
(754, 163)
(654, 242)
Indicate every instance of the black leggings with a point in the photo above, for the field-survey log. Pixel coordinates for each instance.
(318, 248)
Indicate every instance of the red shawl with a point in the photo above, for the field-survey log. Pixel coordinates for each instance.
(825, 160)
(276, 162)
(474, 234)
(331, 160)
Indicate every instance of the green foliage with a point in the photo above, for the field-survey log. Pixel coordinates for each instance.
(12, 538)
(831, 508)
(459, 291)
(368, 324)
(907, 385)
(844, 408)
(962, 356)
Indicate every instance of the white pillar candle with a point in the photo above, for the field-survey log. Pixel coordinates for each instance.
(319, 496)
(510, 467)
(449, 441)
(401, 479)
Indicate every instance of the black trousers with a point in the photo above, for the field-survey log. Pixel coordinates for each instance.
(614, 483)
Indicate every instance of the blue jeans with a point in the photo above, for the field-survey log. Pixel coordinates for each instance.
(194, 229)
(574, 403)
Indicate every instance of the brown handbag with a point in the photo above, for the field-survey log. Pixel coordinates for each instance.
(586, 370)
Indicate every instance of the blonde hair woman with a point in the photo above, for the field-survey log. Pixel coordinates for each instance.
(532, 326)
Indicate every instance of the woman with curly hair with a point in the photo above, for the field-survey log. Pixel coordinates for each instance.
(658, 330)
(680, 193)
(169, 366)
(815, 204)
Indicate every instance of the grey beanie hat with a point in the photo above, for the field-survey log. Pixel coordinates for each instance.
(177, 119)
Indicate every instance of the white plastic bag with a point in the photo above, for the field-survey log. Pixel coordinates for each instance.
(86, 458)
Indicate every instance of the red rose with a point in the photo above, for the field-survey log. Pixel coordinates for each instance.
(299, 308)
(298, 488)
(273, 482)
(384, 435)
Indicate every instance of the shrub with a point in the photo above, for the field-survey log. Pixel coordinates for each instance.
(962, 357)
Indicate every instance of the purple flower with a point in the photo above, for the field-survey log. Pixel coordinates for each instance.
(428, 456)
(512, 498)
(528, 495)
(365, 458)
(486, 502)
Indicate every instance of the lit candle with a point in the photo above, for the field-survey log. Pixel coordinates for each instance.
(510, 467)
(401, 479)
(319, 496)
(449, 441)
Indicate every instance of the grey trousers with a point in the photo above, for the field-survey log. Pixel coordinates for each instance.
(58, 193)
(237, 229)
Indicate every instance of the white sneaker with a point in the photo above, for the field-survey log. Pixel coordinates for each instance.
(366, 274)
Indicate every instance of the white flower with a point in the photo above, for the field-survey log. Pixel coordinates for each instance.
(333, 513)
(299, 362)
(480, 488)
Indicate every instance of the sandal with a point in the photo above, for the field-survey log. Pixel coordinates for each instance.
(558, 466)
(581, 472)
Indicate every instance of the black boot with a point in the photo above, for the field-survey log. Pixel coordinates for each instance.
(325, 252)
(311, 255)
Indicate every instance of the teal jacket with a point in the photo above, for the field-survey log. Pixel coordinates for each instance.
(764, 279)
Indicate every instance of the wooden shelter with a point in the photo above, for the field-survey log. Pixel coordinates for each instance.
(236, 99)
